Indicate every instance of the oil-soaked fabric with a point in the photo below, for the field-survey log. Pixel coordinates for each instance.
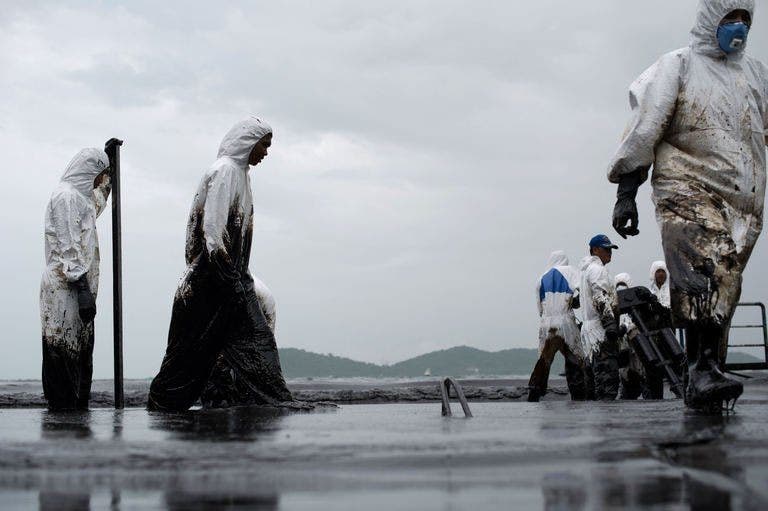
(211, 313)
(71, 252)
(574, 368)
(599, 303)
(699, 118)
(247, 371)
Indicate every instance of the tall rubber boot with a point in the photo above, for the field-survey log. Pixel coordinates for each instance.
(708, 388)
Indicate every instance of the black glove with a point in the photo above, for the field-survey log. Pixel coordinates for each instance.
(111, 149)
(86, 302)
(625, 220)
(575, 302)
(611, 329)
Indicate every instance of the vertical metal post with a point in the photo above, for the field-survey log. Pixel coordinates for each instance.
(117, 276)
(765, 331)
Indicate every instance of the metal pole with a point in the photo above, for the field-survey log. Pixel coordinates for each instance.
(117, 274)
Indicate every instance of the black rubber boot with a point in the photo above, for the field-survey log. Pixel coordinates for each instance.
(708, 388)
(534, 395)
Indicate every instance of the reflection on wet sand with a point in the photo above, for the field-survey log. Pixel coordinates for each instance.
(61, 501)
(696, 474)
(63, 425)
(179, 501)
(233, 424)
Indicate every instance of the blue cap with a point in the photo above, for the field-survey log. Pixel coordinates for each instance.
(602, 241)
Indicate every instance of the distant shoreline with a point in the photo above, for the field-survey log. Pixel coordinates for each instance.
(29, 394)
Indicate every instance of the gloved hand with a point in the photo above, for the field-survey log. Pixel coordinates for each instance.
(575, 302)
(110, 147)
(611, 329)
(86, 302)
(625, 218)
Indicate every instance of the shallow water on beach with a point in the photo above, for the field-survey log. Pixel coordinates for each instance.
(552, 455)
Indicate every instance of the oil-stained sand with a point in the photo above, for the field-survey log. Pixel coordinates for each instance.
(550, 455)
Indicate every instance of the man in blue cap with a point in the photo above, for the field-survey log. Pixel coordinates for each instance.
(600, 330)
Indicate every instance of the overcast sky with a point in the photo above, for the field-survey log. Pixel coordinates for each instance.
(427, 157)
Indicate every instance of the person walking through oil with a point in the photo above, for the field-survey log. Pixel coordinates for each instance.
(217, 319)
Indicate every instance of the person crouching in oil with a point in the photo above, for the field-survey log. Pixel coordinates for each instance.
(217, 317)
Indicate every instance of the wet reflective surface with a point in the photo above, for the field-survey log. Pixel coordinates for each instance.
(549, 455)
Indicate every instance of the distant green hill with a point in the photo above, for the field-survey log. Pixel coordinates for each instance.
(304, 364)
(461, 361)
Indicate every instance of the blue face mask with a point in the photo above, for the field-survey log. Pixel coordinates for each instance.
(732, 36)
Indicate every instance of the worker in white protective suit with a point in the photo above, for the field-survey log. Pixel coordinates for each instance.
(556, 297)
(635, 381)
(699, 119)
(70, 281)
(660, 283)
(221, 346)
(600, 329)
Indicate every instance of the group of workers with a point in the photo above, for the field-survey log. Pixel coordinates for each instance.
(221, 342)
(599, 361)
(699, 121)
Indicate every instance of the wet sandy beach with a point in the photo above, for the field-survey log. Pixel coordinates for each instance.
(511, 455)
(29, 394)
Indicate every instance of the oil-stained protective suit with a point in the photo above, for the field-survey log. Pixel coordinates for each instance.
(230, 382)
(599, 307)
(558, 330)
(72, 257)
(699, 118)
(634, 378)
(662, 293)
(216, 309)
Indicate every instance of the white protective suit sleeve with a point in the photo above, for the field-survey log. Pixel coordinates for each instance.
(68, 233)
(220, 201)
(652, 98)
(538, 297)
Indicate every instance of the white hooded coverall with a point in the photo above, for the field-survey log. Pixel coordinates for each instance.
(598, 300)
(624, 280)
(555, 291)
(221, 347)
(71, 252)
(662, 293)
(558, 331)
(699, 119)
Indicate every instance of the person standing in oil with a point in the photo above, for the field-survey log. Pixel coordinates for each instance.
(70, 281)
(700, 118)
(217, 319)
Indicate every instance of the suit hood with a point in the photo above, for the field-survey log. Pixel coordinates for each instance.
(708, 18)
(83, 169)
(240, 140)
